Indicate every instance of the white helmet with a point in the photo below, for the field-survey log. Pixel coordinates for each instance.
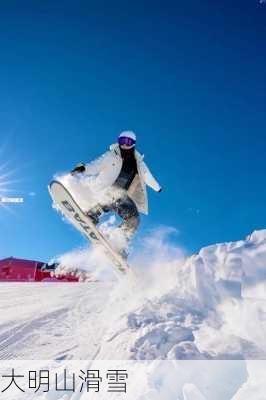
(127, 138)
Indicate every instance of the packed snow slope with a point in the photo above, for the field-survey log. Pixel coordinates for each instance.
(185, 314)
(208, 306)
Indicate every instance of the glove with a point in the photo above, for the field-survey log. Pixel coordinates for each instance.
(78, 169)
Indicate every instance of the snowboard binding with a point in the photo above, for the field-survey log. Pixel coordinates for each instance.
(94, 214)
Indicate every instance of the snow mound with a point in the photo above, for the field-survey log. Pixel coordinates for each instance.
(199, 308)
(179, 307)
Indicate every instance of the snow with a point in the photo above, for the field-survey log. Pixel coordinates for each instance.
(193, 327)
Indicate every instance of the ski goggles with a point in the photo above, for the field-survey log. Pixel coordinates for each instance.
(123, 140)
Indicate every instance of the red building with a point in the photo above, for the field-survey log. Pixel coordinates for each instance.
(17, 270)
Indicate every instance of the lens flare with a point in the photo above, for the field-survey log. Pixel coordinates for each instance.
(7, 182)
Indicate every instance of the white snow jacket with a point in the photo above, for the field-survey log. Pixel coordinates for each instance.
(107, 168)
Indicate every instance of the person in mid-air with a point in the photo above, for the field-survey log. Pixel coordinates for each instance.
(123, 175)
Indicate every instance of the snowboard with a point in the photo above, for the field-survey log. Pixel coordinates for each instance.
(73, 213)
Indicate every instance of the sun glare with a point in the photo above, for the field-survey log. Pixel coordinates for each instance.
(7, 183)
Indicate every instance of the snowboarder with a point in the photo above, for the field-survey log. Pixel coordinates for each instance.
(123, 175)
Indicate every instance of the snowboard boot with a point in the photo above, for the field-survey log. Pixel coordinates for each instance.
(94, 214)
(124, 254)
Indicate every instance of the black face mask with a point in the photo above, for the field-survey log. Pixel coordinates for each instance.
(127, 152)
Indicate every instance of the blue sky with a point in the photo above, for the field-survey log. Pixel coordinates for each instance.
(188, 77)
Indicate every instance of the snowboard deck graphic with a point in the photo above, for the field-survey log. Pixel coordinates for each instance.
(70, 209)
